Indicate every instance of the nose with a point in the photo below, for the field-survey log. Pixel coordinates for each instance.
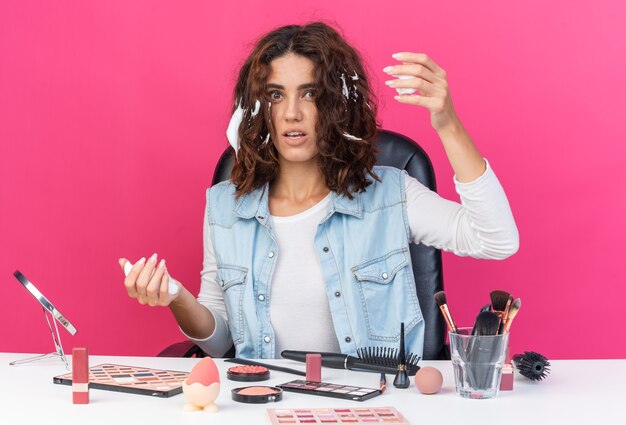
(294, 110)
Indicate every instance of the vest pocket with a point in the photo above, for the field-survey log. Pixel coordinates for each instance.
(388, 295)
(232, 279)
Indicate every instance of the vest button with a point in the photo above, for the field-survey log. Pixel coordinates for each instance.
(348, 339)
(271, 254)
(385, 275)
(325, 249)
(267, 339)
(337, 294)
(261, 297)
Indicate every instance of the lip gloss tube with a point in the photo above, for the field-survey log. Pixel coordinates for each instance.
(80, 376)
(508, 372)
(314, 367)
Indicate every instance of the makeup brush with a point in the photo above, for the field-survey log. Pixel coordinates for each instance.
(501, 301)
(482, 350)
(440, 299)
(532, 365)
(517, 304)
(402, 378)
(487, 323)
(486, 307)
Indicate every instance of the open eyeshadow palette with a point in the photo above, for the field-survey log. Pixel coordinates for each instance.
(325, 389)
(131, 379)
(366, 415)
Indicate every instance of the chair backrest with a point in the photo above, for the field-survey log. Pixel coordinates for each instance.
(400, 152)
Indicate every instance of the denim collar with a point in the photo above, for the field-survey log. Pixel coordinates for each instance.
(255, 204)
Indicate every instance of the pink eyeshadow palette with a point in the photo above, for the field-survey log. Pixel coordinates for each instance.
(131, 379)
(366, 415)
(325, 389)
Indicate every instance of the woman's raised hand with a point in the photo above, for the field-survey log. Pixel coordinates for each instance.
(421, 73)
(149, 283)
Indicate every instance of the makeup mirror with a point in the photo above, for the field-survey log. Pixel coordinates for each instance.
(48, 310)
(44, 302)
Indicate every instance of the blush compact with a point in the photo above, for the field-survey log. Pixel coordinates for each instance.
(248, 373)
(257, 394)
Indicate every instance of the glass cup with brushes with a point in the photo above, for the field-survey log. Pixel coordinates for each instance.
(478, 353)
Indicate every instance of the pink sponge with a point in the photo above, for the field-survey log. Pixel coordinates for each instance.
(204, 372)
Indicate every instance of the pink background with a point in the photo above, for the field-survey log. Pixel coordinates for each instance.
(113, 115)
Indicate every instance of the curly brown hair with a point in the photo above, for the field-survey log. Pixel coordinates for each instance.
(345, 103)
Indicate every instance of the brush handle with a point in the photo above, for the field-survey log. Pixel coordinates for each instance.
(332, 360)
(339, 361)
(484, 352)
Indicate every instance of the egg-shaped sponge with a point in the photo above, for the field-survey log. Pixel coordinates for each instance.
(204, 372)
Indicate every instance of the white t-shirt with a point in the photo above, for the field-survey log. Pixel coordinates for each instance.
(481, 226)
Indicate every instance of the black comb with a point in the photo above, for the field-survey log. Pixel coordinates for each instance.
(388, 357)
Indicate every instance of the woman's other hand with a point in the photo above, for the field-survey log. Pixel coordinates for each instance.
(148, 282)
(419, 72)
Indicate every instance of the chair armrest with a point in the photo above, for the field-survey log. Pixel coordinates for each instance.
(182, 349)
(189, 349)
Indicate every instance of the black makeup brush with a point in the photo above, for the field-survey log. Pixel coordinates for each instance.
(440, 299)
(501, 301)
(517, 304)
(532, 365)
(402, 378)
(487, 323)
(483, 350)
(486, 307)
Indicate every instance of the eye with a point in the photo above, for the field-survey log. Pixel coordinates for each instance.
(309, 94)
(275, 95)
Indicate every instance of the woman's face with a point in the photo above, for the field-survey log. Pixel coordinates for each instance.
(290, 88)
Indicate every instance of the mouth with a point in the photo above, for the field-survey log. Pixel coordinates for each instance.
(294, 136)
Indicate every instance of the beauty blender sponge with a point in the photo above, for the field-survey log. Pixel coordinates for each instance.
(428, 380)
(204, 372)
(202, 386)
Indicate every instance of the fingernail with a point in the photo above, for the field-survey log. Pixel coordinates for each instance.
(397, 97)
(390, 82)
(153, 258)
(162, 264)
(141, 260)
(397, 55)
(387, 69)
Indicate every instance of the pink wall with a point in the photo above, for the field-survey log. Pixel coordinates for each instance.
(112, 117)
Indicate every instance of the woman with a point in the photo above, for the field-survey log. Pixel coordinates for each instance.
(306, 247)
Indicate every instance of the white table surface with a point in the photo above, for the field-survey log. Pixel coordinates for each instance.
(575, 392)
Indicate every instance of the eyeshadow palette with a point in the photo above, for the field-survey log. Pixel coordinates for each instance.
(131, 379)
(366, 415)
(347, 392)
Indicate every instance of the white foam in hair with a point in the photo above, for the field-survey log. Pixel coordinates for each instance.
(351, 137)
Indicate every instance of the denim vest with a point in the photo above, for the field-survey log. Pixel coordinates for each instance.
(363, 248)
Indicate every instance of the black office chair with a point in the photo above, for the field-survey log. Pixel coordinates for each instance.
(400, 152)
